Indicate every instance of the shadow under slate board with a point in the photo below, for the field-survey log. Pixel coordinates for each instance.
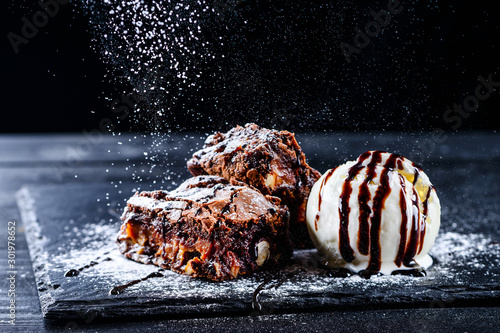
(79, 270)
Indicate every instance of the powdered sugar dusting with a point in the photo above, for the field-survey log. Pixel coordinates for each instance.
(466, 268)
(458, 255)
(453, 252)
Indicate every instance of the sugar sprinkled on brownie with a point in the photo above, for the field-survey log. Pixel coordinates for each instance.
(208, 227)
(272, 161)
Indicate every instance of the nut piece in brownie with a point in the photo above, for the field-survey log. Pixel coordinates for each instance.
(208, 227)
(272, 161)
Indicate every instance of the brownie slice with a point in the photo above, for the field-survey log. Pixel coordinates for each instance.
(208, 227)
(272, 161)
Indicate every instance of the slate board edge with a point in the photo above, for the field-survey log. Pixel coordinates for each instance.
(34, 241)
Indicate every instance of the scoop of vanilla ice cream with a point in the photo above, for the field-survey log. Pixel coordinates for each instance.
(379, 213)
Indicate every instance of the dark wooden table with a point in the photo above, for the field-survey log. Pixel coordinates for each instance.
(465, 166)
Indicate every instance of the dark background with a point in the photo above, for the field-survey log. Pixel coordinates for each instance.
(283, 68)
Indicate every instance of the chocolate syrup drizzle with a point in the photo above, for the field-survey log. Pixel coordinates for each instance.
(345, 248)
(120, 289)
(404, 223)
(381, 195)
(266, 285)
(425, 212)
(364, 208)
(76, 272)
(370, 218)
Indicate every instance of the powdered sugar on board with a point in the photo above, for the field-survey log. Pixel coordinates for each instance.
(458, 255)
(76, 235)
(453, 254)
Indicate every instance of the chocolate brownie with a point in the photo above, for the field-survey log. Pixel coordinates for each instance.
(208, 227)
(270, 160)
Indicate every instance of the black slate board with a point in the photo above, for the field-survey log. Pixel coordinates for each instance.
(68, 228)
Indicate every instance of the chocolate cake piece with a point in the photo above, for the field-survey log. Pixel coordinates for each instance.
(208, 227)
(272, 161)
